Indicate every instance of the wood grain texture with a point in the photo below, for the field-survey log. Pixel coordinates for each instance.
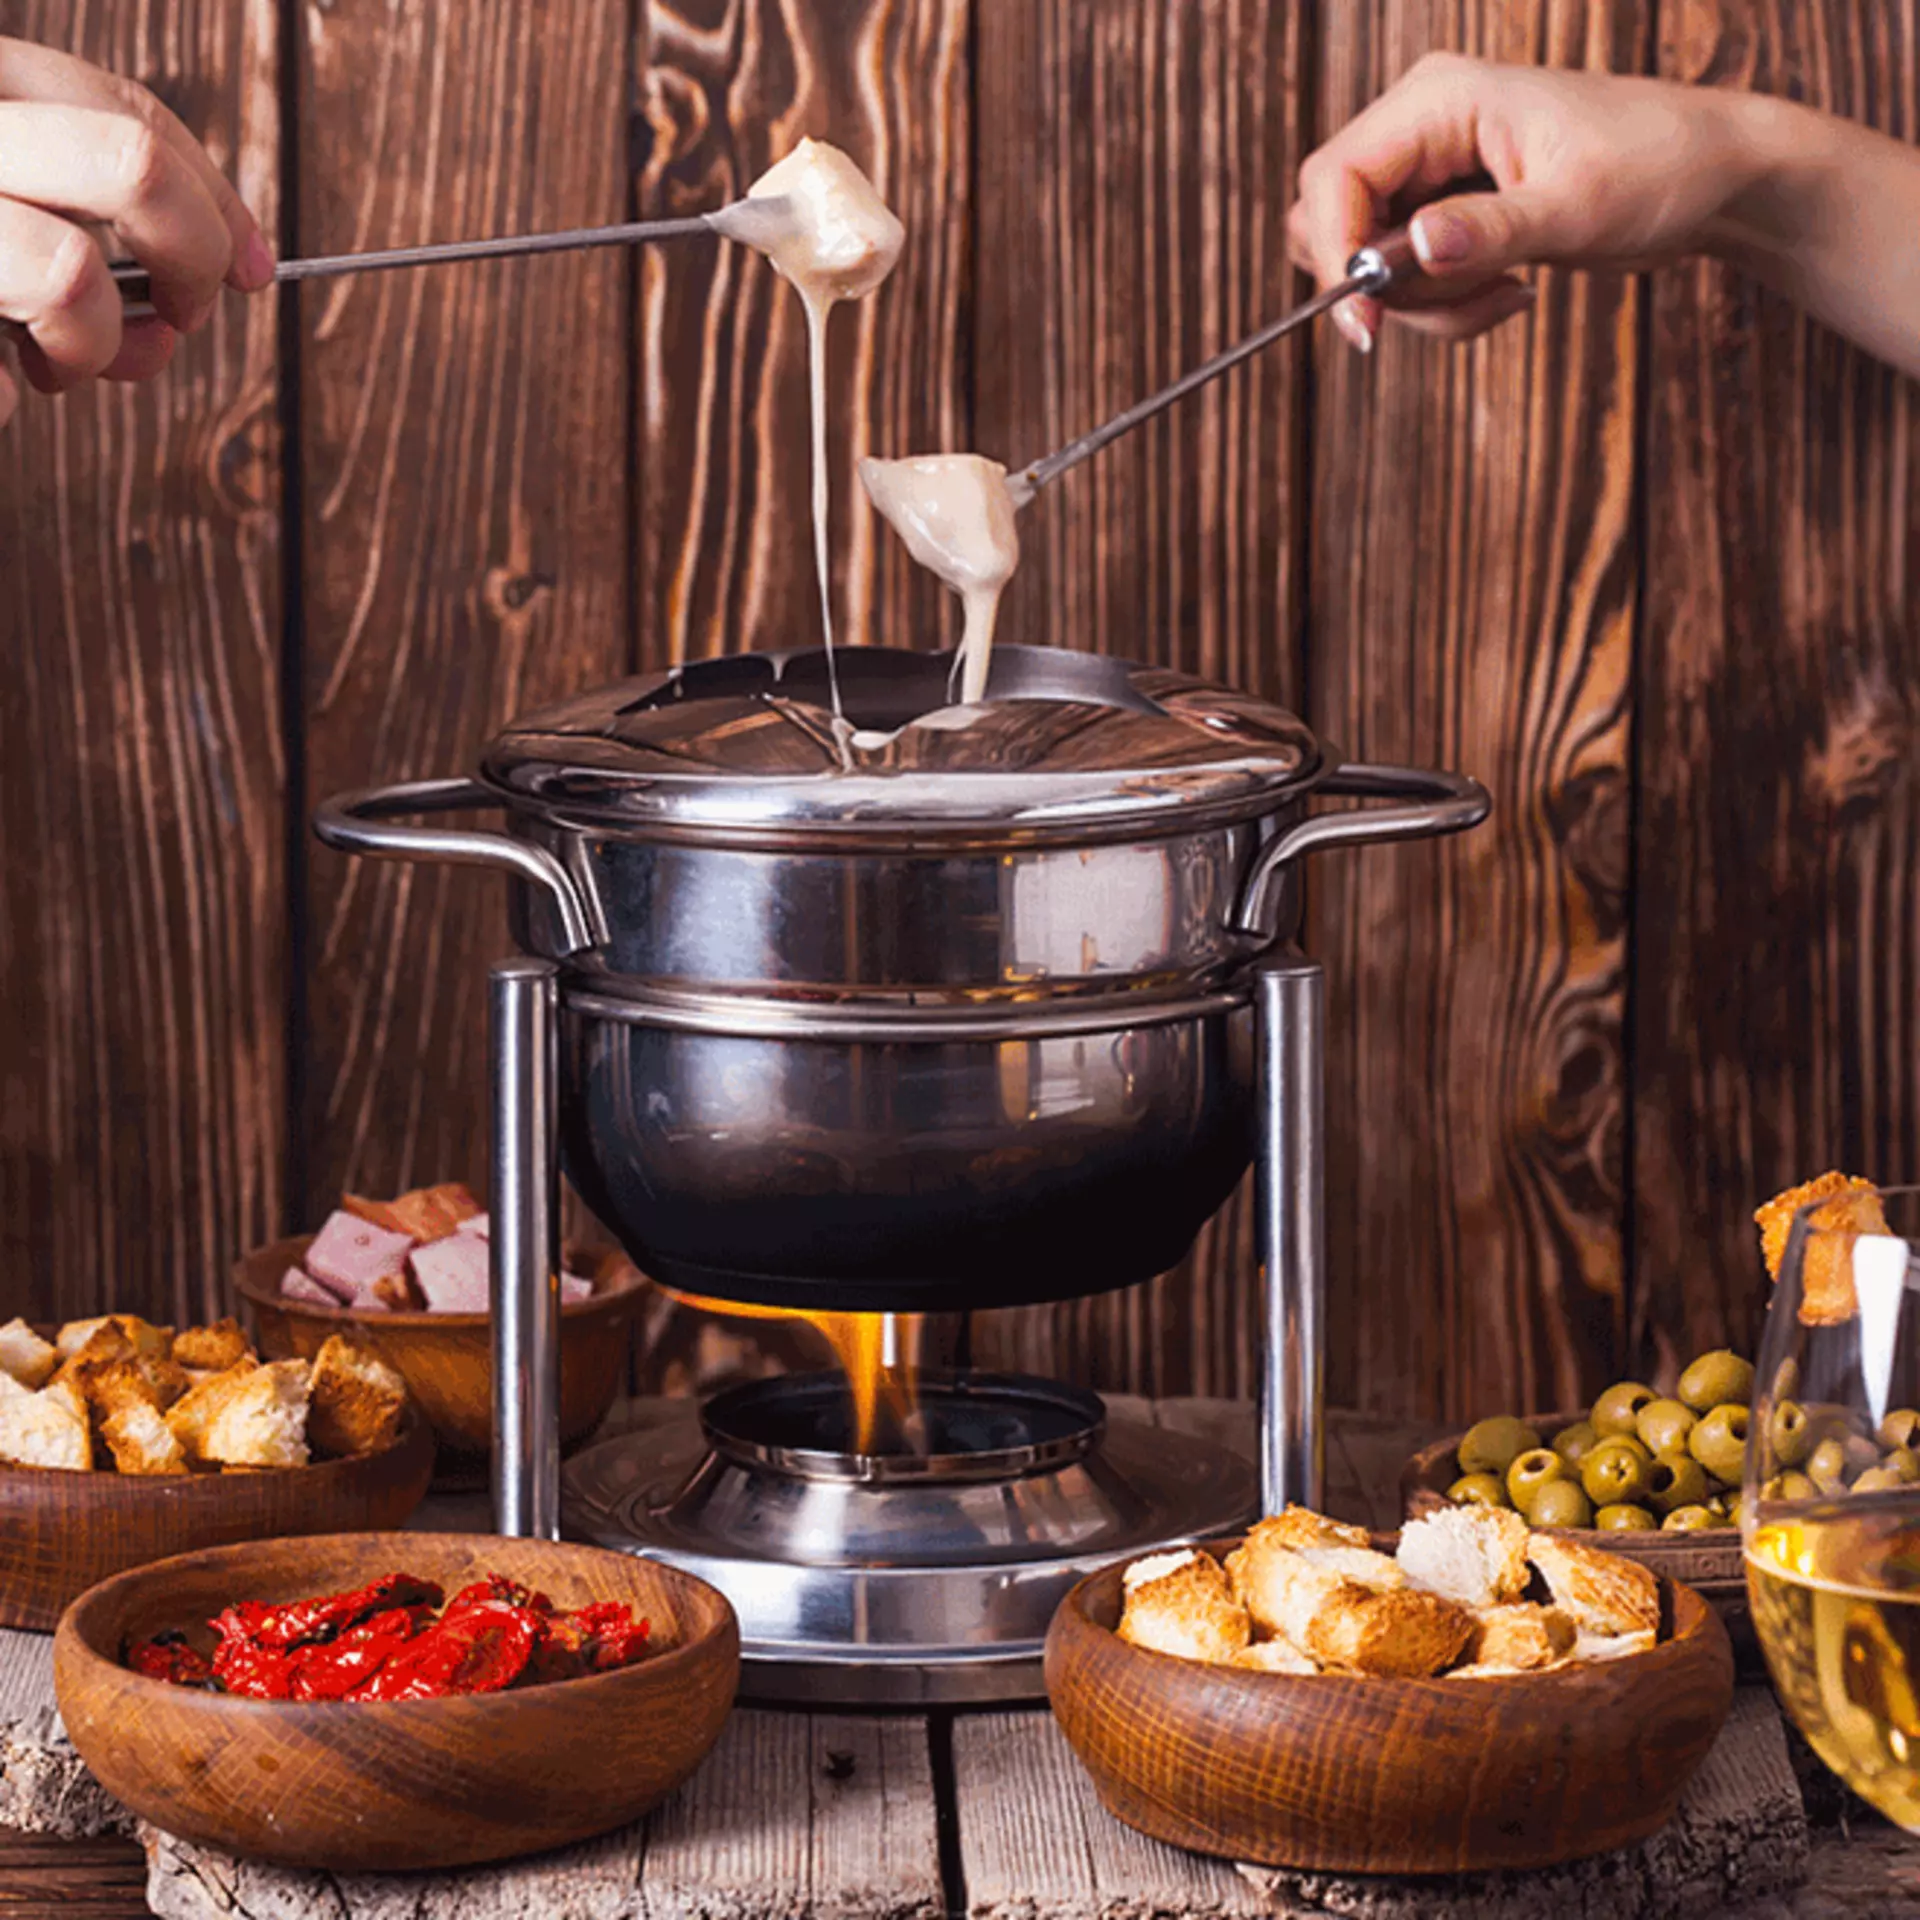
(1359, 1774)
(1777, 942)
(1135, 167)
(1473, 601)
(142, 951)
(62, 1531)
(464, 513)
(396, 1785)
(725, 546)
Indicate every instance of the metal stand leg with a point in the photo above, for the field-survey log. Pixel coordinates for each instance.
(522, 1001)
(1290, 996)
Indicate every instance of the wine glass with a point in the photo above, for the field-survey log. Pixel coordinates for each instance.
(1830, 1507)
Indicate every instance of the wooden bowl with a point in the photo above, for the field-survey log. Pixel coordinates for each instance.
(1708, 1562)
(1357, 1775)
(446, 1359)
(419, 1783)
(60, 1532)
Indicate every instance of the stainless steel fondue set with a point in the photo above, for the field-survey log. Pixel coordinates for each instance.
(930, 1010)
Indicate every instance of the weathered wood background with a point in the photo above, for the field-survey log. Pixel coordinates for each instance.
(1644, 561)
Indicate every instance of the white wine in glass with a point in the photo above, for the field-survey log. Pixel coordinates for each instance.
(1830, 1508)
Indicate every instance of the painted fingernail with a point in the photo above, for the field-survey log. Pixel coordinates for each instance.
(255, 265)
(1359, 336)
(1442, 239)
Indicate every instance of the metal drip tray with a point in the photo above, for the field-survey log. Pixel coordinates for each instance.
(915, 1586)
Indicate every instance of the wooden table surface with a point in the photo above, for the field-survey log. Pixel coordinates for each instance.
(983, 1814)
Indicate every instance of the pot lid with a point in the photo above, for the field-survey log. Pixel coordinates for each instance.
(744, 750)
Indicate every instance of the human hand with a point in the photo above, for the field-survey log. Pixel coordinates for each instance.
(1593, 170)
(80, 146)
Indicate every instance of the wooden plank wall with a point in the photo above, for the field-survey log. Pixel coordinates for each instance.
(1649, 540)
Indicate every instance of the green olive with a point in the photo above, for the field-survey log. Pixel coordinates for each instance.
(1618, 1409)
(1623, 1517)
(1560, 1503)
(1574, 1443)
(1790, 1433)
(1478, 1490)
(1615, 1472)
(1676, 1479)
(1736, 1508)
(1532, 1471)
(1717, 1379)
(1664, 1425)
(1492, 1446)
(1905, 1462)
(1901, 1428)
(1688, 1520)
(1789, 1486)
(1859, 1453)
(1878, 1480)
(1719, 1441)
(1827, 1466)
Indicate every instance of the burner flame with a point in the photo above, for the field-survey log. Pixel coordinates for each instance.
(879, 1352)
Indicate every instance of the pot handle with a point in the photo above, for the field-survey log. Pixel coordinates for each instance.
(1443, 803)
(360, 823)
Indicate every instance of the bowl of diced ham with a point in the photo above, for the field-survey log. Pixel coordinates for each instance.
(410, 1276)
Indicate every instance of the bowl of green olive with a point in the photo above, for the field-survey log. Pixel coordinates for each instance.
(1659, 1474)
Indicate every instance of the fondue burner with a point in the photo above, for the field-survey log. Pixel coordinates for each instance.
(928, 1573)
(931, 1009)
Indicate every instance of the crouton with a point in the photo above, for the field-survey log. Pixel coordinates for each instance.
(141, 1441)
(1853, 1208)
(1602, 1593)
(1475, 1555)
(1407, 1634)
(134, 1335)
(355, 1399)
(1273, 1656)
(398, 1294)
(262, 1418)
(1189, 1613)
(44, 1429)
(189, 1416)
(213, 1348)
(1296, 1526)
(1520, 1637)
(116, 1384)
(24, 1356)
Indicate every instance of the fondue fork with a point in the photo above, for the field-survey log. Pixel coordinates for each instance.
(1381, 265)
(136, 287)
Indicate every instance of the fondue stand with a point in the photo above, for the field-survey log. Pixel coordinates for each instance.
(990, 1011)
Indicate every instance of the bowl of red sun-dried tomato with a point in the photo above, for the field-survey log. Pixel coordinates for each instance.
(389, 1701)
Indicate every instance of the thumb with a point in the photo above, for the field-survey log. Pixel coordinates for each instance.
(1477, 235)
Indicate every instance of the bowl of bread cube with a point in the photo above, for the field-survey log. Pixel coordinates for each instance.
(122, 1442)
(408, 1277)
(1469, 1696)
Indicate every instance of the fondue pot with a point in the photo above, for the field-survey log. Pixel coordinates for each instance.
(922, 1008)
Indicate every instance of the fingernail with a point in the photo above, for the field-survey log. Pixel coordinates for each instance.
(1441, 239)
(255, 265)
(1352, 327)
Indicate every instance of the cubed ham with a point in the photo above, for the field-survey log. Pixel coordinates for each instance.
(572, 1288)
(350, 1255)
(451, 1274)
(479, 1223)
(298, 1285)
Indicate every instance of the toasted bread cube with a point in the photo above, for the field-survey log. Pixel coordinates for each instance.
(452, 1274)
(1296, 1526)
(141, 1442)
(1852, 1208)
(130, 1334)
(1189, 1613)
(1475, 1555)
(1408, 1634)
(121, 1383)
(190, 1415)
(45, 1429)
(1603, 1594)
(350, 1254)
(24, 1356)
(213, 1348)
(427, 1213)
(355, 1399)
(397, 1293)
(262, 1419)
(1520, 1637)
(1273, 1656)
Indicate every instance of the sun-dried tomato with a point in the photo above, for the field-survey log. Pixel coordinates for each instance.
(168, 1657)
(333, 1669)
(480, 1649)
(496, 1586)
(301, 1621)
